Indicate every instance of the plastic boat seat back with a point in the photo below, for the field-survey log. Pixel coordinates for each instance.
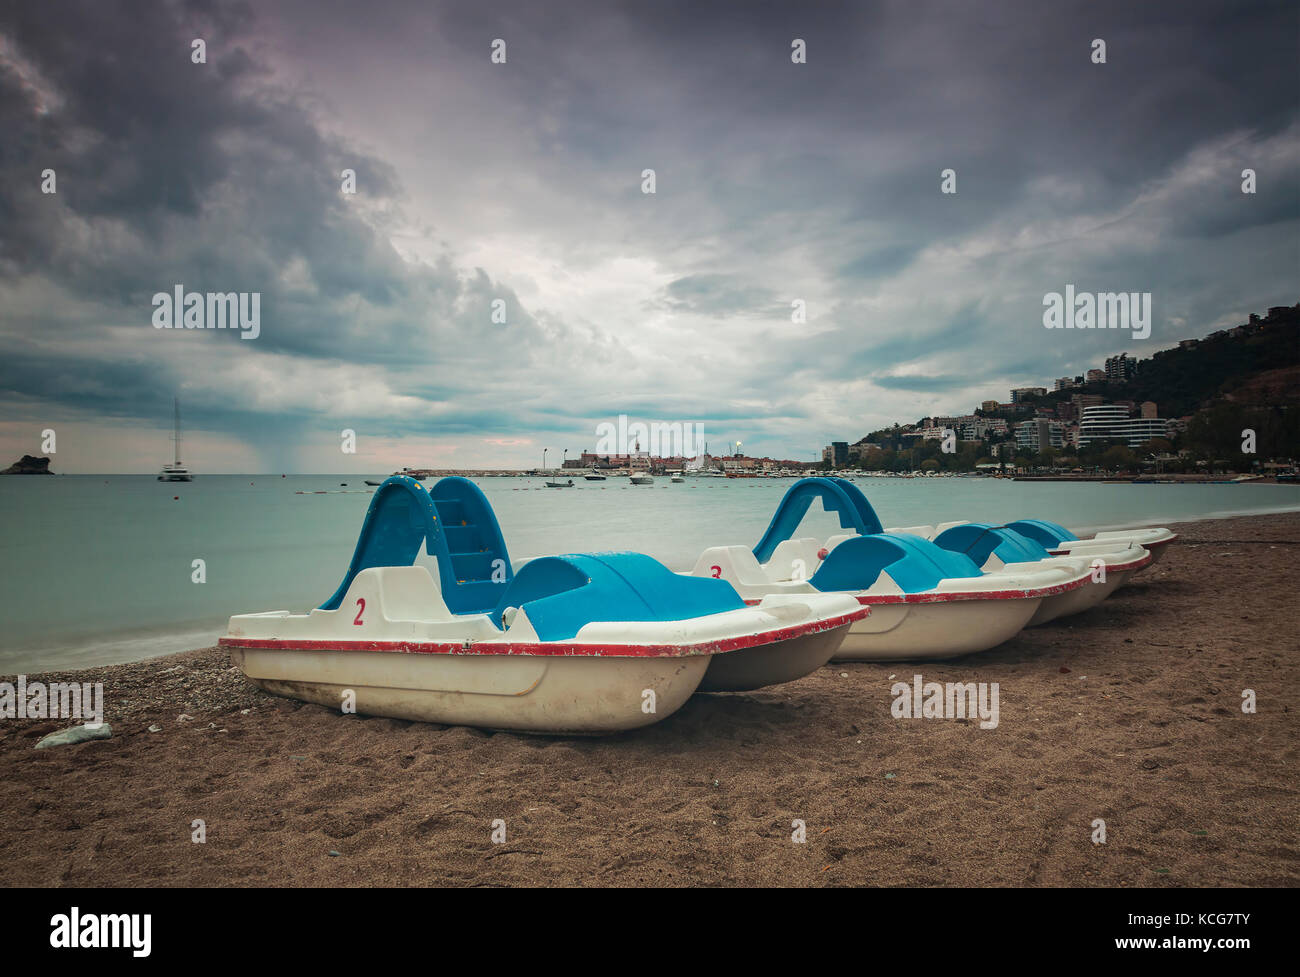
(561, 594)
(735, 564)
(794, 559)
(835, 541)
(925, 532)
(913, 563)
(980, 542)
(403, 593)
(943, 527)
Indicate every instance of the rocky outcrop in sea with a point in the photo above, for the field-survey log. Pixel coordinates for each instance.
(27, 465)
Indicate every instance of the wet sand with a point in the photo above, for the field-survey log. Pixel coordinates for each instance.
(1130, 713)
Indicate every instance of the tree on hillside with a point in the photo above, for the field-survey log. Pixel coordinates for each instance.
(1118, 458)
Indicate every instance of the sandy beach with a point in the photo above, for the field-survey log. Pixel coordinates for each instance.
(1130, 713)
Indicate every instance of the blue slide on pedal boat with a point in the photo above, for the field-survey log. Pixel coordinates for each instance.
(583, 643)
(969, 591)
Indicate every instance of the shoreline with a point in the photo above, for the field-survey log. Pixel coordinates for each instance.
(1129, 713)
(155, 636)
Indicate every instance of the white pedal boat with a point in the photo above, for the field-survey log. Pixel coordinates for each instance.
(856, 513)
(1059, 541)
(572, 644)
(1112, 557)
(1017, 581)
(996, 548)
(1106, 568)
(926, 602)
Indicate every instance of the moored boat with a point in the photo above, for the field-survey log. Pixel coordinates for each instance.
(934, 594)
(175, 471)
(570, 644)
(926, 602)
(999, 548)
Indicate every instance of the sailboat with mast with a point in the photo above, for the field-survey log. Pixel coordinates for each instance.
(176, 472)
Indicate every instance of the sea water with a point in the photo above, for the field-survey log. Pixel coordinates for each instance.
(101, 569)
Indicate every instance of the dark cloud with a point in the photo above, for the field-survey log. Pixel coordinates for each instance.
(521, 183)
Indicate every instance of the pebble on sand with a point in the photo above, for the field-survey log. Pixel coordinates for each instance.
(76, 734)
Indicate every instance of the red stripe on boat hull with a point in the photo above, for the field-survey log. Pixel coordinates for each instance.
(550, 649)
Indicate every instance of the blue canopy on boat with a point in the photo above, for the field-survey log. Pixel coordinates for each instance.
(1045, 533)
(455, 523)
(915, 564)
(560, 594)
(979, 540)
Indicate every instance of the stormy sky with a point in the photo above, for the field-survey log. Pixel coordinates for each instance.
(775, 182)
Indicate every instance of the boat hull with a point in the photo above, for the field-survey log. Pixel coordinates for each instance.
(1155, 546)
(772, 664)
(531, 694)
(1078, 600)
(927, 631)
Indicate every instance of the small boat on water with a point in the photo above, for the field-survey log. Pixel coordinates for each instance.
(369, 482)
(642, 479)
(566, 644)
(568, 484)
(176, 472)
(677, 478)
(593, 477)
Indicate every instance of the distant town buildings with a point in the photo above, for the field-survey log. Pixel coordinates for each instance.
(1119, 368)
(1032, 422)
(1113, 422)
(1020, 392)
(1040, 433)
(837, 453)
(1080, 401)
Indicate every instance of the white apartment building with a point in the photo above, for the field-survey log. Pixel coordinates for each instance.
(1105, 422)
